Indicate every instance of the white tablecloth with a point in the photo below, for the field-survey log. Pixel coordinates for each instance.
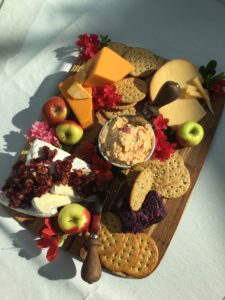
(36, 50)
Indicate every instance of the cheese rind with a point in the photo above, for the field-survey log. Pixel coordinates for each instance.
(177, 70)
(82, 108)
(107, 67)
(183, 110)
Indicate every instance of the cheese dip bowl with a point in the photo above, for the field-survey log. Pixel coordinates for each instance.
(126, 140)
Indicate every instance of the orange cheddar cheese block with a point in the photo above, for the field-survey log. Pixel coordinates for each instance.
(107, 67)
(82, 108)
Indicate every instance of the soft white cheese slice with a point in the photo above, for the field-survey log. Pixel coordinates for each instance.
(48, 203)
(35, 151)
(58, 192)
(65, 190)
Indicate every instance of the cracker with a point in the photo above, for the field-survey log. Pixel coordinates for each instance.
(132, 176)
(112, 222)
(110, 242)
(124, 106)
(119, 48)
(125, 258)
(175, 166)
(143, 60)
(147, 259)
(131, 89)
(140, 189)
(177, 187)
(159, 170)
(111, 113)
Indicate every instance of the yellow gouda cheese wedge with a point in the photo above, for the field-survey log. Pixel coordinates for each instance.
(82, 108)
(205, 95)
(76, 91)
(108, 67)
(177, 70)
(183, 110)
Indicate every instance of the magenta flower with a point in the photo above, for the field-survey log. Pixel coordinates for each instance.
(42, 131)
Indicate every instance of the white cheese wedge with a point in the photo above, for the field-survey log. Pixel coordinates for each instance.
(66, 190)
(76, 91)
(35, 151)
(183, 110)
(205, 95)
(48, 203)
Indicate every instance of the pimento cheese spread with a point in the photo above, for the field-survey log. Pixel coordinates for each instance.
(124, 143)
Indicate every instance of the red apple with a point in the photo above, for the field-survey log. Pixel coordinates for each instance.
(74, 218)
(69, 132)
(55, 110)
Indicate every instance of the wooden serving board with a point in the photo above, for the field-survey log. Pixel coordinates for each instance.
(162, 232)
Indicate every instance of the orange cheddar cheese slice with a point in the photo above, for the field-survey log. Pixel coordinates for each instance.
(107, 67)
(82, 108)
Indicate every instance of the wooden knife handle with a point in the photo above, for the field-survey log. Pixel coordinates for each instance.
(168, 92)
(91, 270)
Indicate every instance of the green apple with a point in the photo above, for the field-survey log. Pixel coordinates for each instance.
(69, 132)
(189, 134)
(74, 218)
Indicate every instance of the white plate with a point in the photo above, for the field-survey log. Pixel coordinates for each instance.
(34, 153)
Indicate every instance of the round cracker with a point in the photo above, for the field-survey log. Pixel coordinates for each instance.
(119, 48)
(112, 113)
(131, 89)
(125, 258)
(178, 187)
(110, 242)
(147, 259)
(143, 60)
(140, 189)
(175, 166)
(159, 170)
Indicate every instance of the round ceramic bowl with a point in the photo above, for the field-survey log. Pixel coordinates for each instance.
(133, 120)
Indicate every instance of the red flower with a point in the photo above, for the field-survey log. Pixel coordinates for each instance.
(99, 167)
(52, 243)
(160, 122)
(219, 88)
(163, 148)
(105, 97)
(50, 238)
(89, 45)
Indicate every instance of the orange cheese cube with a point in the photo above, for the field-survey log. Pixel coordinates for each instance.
(107, 67)
(82, 108)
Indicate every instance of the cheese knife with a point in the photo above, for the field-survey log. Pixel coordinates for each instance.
(91, 269)
(168, 92)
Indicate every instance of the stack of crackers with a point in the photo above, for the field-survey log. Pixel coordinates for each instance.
(134, 255)
(133, 89)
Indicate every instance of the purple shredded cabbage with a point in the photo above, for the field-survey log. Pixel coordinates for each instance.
(152, 212)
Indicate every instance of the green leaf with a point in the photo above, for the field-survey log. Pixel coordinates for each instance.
(202, 71)
(211, 66)
(104, 40)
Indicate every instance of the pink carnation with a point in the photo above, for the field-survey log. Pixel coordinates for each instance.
(41, 130)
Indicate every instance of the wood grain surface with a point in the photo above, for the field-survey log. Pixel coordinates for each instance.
(162, 232)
